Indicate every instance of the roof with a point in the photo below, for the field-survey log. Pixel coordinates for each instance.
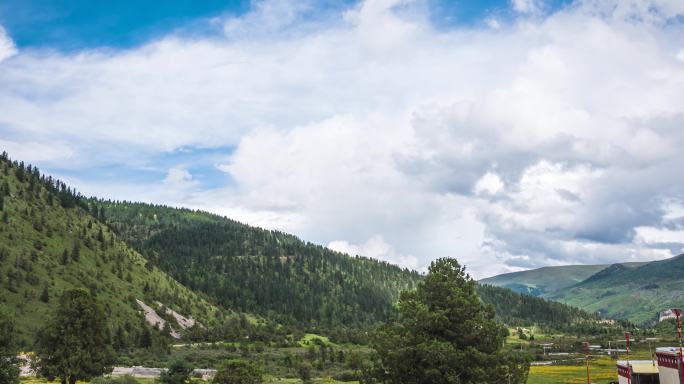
(673, 350)
(641, 366)
(647, 368)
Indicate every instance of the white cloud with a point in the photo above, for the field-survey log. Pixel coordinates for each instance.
(7, 47)
(652, 235)
(179, 178)
(680, 55)
(377, 248)
(547, 197)
(36, 152)
(526, 6)
(547, 140)
(674, 210)
(490, 183)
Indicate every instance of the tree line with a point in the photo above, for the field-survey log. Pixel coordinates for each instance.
(442, 334)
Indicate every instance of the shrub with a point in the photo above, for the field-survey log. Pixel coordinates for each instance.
(346, 376)
(238, 372)
(178, 373)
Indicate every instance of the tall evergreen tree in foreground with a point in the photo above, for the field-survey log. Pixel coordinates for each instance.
(9, 372)
(445, 334)
(75, 344)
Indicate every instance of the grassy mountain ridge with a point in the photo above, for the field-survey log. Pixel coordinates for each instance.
(634, 291)
(50, 241)
(636, 294)
(545, 280)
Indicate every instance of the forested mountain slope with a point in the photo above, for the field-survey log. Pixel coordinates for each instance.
(636, 294)
(195, 263)
(50, 241)
(517, 309)
(255, 270)
(276, 274)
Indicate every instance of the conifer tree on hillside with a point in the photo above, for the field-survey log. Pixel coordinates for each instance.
(445, 335)
(45, 295)
(9, 372)
(75, 344)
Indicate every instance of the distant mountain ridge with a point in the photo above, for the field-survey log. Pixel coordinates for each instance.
(634, 291)
(545, 280)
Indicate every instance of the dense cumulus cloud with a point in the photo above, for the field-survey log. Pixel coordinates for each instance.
(552, 138)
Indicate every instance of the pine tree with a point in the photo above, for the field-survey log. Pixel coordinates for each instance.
(167, 329)
(45, 295)
(64, 260)
(75, 343)
(445, 334)
(120, 339)
(76, 252)
(9, 371)
(145, 340)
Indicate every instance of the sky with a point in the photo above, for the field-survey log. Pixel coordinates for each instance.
(509, 134)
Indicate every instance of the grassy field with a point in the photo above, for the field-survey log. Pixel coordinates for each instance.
(602, 368)
(602, 371)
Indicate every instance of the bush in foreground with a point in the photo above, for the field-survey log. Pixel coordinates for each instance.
(238, 372)
(178, 373)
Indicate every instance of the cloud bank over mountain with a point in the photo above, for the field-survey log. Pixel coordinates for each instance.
(550, 138)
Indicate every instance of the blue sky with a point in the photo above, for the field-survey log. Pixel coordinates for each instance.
(78, 24)
(509, 134)
(82, 24)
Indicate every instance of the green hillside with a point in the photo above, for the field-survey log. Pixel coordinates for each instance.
(279, 276)
(50, 241)
(636, 294)
(546, 281)
(542, 281)
(200, 265)
(249, 269)
(518, 309)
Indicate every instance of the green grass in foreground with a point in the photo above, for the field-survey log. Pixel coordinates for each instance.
(602, 368)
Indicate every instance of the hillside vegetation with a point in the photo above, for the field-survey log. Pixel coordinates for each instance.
(50, 241)
(545, 280)
(517, 309)
(250, 269)
(637, 293)
(238, 281)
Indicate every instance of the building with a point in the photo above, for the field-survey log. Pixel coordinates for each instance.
(666, 314)
(669, 365)
(637, 372)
